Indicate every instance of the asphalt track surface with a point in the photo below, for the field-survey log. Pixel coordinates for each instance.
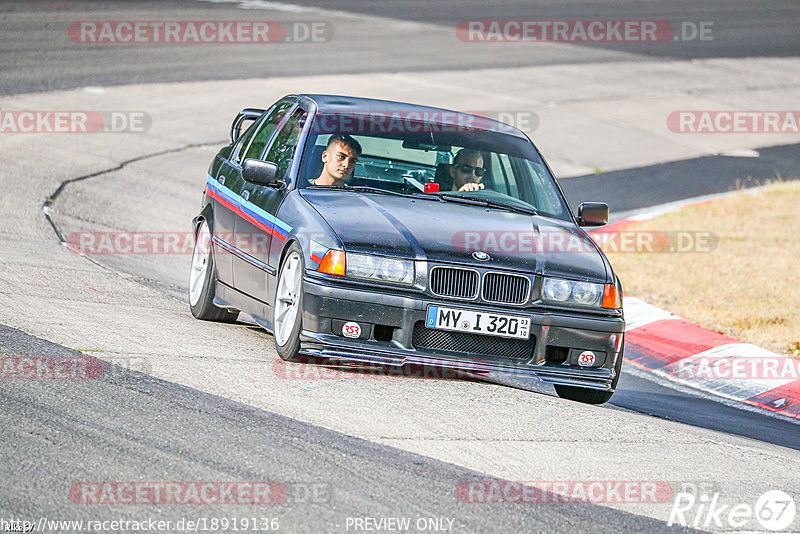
(328, 476)
(130, 426)
(38, 55)
(626, 190)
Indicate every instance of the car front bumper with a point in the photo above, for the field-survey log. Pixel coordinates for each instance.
(326, 306)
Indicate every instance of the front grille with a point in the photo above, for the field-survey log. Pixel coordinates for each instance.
(431, 338)
(452, 282)
(505, 288)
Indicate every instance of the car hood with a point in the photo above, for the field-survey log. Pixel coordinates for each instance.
(447, 232)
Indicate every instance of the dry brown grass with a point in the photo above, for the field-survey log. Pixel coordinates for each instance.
(748, 287)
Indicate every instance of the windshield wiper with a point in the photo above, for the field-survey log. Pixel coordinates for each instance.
(487, 203)
(367, 189)
(377, 190)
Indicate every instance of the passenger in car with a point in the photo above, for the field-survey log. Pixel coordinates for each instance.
(339, 160)
(467, 170)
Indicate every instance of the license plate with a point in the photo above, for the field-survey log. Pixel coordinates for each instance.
(475, 322)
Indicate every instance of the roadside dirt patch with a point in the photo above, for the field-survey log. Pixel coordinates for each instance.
(731, 265)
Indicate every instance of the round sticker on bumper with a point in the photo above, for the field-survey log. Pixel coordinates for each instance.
(351, 329)
(586, 358)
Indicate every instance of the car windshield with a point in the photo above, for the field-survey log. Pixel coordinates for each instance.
(407, 156)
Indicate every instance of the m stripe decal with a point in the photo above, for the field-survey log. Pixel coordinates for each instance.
(247, 210)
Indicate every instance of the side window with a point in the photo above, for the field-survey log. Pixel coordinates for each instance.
(282, 150)
(544, 196)
(500, 174)
(265, 129)
(244, 140)
(510, 179)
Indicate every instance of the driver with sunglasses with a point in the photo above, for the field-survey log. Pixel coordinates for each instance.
(467, 170)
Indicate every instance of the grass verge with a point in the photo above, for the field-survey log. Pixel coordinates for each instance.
(731, 265)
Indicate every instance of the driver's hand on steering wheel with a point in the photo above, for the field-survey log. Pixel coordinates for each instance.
(471, 186)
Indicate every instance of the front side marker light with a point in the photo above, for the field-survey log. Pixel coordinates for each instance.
(333, 263)
(611, 298)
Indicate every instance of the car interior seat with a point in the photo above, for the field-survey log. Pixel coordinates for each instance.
(316, 157)
(443, 177)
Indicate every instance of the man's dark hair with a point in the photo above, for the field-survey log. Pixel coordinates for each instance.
(465, 153)
(345, 140)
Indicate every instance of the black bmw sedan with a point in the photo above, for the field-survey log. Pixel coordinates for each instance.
(395, 234)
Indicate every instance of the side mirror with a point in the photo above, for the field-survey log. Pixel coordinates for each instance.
(261, 172)
(593, 214)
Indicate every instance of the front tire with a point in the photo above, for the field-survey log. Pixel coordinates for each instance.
(202, 280)
(287, 320)
(592, 396)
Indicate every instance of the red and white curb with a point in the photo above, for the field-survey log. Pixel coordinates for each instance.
(678, 350)
(684, 352)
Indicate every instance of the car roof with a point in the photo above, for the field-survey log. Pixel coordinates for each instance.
(358, 105)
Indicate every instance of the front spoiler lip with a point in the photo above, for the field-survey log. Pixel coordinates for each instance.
(333, 347)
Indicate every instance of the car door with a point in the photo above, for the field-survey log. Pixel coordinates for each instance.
(223, 203)
(257, 225)
(224, 185)
(227, 189)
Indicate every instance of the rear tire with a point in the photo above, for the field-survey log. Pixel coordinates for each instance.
(203, 279)
(287, 320)
(592, 396)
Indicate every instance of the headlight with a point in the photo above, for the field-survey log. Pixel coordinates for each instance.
(555, 290)
(396, 271)
(567, 291)
(360, 265)
(587, 294)
(369, 267)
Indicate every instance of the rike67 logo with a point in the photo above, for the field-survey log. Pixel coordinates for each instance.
(775, 511)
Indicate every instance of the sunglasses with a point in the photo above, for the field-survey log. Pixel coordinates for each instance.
(466, 169)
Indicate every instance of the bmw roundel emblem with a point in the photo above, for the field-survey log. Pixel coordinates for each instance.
(481, 256)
